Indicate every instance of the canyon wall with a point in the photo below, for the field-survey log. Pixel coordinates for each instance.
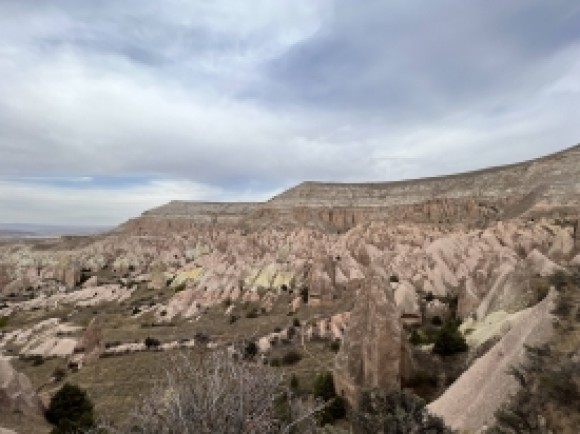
(545, 187)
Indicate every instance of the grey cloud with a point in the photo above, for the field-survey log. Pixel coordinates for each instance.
(253, 99)
(424, 58)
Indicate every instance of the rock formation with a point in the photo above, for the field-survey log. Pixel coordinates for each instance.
(372, 353)
(471, 401)
(541, 187)
(351, 262)
(91, 344)
(179, 216)
(16, 391)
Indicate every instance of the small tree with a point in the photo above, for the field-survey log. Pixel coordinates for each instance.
(335, 346)
(253, 313)
(304, 294)
(294, 382)
(324, 389)
(449, 340)
(558, 279)
(324, 386)
(415, 338)
(58, 374)
(436, 321)
(151, 343)
(70, 410)
(250, 350)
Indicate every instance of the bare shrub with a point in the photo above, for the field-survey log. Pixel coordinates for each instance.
(395, 411)
(216, 394)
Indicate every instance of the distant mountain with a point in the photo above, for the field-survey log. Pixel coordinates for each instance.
(12, 230)
(9, 233)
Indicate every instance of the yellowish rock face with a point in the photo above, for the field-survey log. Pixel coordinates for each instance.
(283, 278)
(496, 324)
(186, 276)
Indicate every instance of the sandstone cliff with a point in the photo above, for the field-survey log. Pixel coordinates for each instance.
(181, 215)
(543, 187)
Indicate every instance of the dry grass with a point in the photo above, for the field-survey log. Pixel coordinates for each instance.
(115, 384)
(24, 424)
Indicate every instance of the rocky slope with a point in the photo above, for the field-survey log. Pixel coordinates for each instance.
(470, 403)
(543, 187)
(322, 263)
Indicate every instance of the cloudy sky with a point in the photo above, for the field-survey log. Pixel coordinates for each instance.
(110, 107)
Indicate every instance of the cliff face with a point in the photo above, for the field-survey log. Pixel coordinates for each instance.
(559, 171)
(546, 186)
(182, 216)
(342, 218)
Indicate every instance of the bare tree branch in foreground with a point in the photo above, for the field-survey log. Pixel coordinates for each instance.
(217, 394)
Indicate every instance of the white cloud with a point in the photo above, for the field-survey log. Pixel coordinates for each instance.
(83, 202)
(187, 91)
(31, 202)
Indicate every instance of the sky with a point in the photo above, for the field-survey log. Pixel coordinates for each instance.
(111, 107)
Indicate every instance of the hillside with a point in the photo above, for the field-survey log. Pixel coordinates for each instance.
(545, 186)
(429, 286)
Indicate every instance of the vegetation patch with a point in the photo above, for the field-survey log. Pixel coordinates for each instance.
(449, 340)
(335, 406)
(70, 410)
(395, 411)
(151, 343)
